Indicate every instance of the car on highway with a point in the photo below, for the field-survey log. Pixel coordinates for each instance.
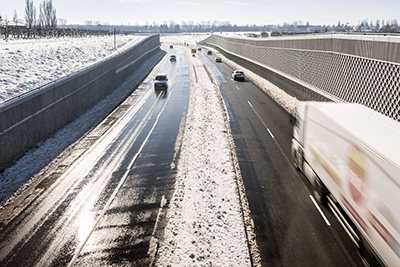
(238, 75)
(209, 52)
(172, 58)
(160, 81)
(218, 59)
(199, 48)
(171, 46)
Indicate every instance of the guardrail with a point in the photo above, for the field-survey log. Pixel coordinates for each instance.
(26, 120)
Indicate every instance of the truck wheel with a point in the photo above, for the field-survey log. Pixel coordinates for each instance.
(367, 255)
(319, 191)
(295, 161)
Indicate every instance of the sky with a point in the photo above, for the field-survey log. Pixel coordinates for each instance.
(240, 12)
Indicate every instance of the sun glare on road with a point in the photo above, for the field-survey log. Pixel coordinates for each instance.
(85, 226)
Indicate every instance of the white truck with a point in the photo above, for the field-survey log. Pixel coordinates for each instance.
(351, 154)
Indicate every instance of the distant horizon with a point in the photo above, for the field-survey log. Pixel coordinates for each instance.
(239, 25)
(246, 12)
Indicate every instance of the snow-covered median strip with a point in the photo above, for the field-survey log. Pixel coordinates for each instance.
(205, 225)
(285, 100)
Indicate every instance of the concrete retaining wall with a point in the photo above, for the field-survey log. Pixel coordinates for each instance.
(360, 69)
(33, 117)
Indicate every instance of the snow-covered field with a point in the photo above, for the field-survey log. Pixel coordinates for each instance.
(28, 64)
(184, 38)
(206, 226)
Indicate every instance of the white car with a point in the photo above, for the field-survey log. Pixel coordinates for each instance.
(238, 75)
(160, 81)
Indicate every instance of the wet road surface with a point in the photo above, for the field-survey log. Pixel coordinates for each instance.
(107, 207)
(290, 231)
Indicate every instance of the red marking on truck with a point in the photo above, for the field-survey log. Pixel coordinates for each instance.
(355, 214)
(384, 233)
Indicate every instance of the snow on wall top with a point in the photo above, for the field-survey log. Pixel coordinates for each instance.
(28, 64)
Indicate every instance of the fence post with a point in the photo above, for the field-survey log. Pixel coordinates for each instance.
(115, 41)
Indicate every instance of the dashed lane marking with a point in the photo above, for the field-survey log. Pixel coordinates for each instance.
(270, 133)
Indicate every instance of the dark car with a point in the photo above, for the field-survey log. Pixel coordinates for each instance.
(218, 59)
(171, 46)
(160, 81)
(172, 58)
(209, 52)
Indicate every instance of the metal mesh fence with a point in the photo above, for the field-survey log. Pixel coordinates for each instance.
(350, 78)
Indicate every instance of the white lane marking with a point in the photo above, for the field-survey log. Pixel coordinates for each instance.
(270, 133)
(262, 121)
(153, 245)
(276, 142)
(320, 211)
(122, 181)
(238, 88)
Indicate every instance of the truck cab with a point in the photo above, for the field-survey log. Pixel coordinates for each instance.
(297, 140)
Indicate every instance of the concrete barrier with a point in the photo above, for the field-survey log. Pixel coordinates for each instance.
(31, 118)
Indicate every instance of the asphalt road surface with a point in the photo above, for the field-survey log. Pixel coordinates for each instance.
(105, 207)
(289, 228)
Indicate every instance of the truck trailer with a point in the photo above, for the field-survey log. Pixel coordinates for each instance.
(351, 155)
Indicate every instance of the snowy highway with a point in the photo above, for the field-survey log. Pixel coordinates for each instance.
(161, 164)
(104, 208)
(289, 228)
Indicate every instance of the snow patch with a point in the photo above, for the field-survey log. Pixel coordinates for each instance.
(29, 64)
(184, 38)
(205, 222)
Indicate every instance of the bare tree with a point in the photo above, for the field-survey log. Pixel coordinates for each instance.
(53, 19)
(378, 24)
(41, 21)
(62, 21)
(15, 17)
(30, 14)
(47, 15)
(171, 24)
